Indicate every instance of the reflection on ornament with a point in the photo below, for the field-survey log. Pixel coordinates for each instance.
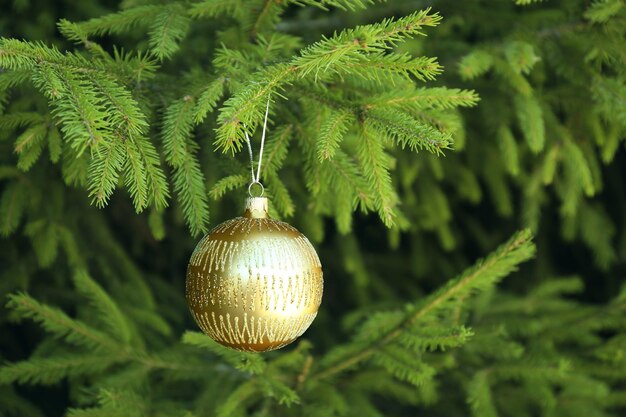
(254, 283)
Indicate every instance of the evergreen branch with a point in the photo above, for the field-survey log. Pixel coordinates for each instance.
(13, 205)
(425, 98)
(331, 133)
(104, 171)
(13, 78)
(168, 28)
(226, 184)
(47, 371)
(351, 5)
(603, 11)
(214, 8)
(246, 107)
(237, 399)
(249, 362)
(180, 154)
(403, 365)
(74, 101)
(407, 131)
(281, 199)
(55, 145)
(107, 309)
(189, 184)
(135, 177)
(277, 147)
(432, 339)
(177, 129)
(125, 114)
(484, 274)
(370, 66)
(347, 170)
(375, 164)
(346, 47)
(521, 56)
(475, 64)
(262, 16)
(509, 150)
(479, 396)
(29, 145)
(115, 403)
(574, 157)
(157, 191)
(530, 117)
(208, 99)
(120, 22)
(59, 324)
(18, 120)
(21, 55)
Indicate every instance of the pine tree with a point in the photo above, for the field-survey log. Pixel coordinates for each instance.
(405, 141)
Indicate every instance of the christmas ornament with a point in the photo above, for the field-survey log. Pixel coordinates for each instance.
(254, 283)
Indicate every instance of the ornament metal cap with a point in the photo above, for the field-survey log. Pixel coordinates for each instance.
(256, 208)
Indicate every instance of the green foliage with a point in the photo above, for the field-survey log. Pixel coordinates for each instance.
(519, 106)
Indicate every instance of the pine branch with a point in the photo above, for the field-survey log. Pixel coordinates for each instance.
(59, 324)
(249, 362)
(482, 275)
(107, 309)
(530, 117)
(280, 197)
(29, 145)
(247, 107)
(425, 98)
(521, 56)
(135, 175)
(508, 148)
(214, 8)
(433, 339)
(479, 396)
(403, 365)
(55, 145)
(13, 204)
(117, 23)
(601, 11)
(375, 165)
(168, 28)
(330, 55)
(17, 120)
(180, 154)
(208, 99)
(347, 46)
(48, 371)
(104, 170)
(277, 148)
(232, 182)
(475, 64)
(373, 66)
(407, 131)
(158, 191)
(116, 403)
(332, 132)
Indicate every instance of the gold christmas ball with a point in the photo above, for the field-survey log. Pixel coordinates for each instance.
(254, 283)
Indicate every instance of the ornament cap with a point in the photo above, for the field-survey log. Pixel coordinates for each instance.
(256, 208)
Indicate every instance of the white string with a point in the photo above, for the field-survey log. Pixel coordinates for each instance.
(250, 152)
(258, 171)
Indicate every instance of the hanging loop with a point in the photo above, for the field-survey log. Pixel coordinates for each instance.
(256, 178)
(250, 189)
